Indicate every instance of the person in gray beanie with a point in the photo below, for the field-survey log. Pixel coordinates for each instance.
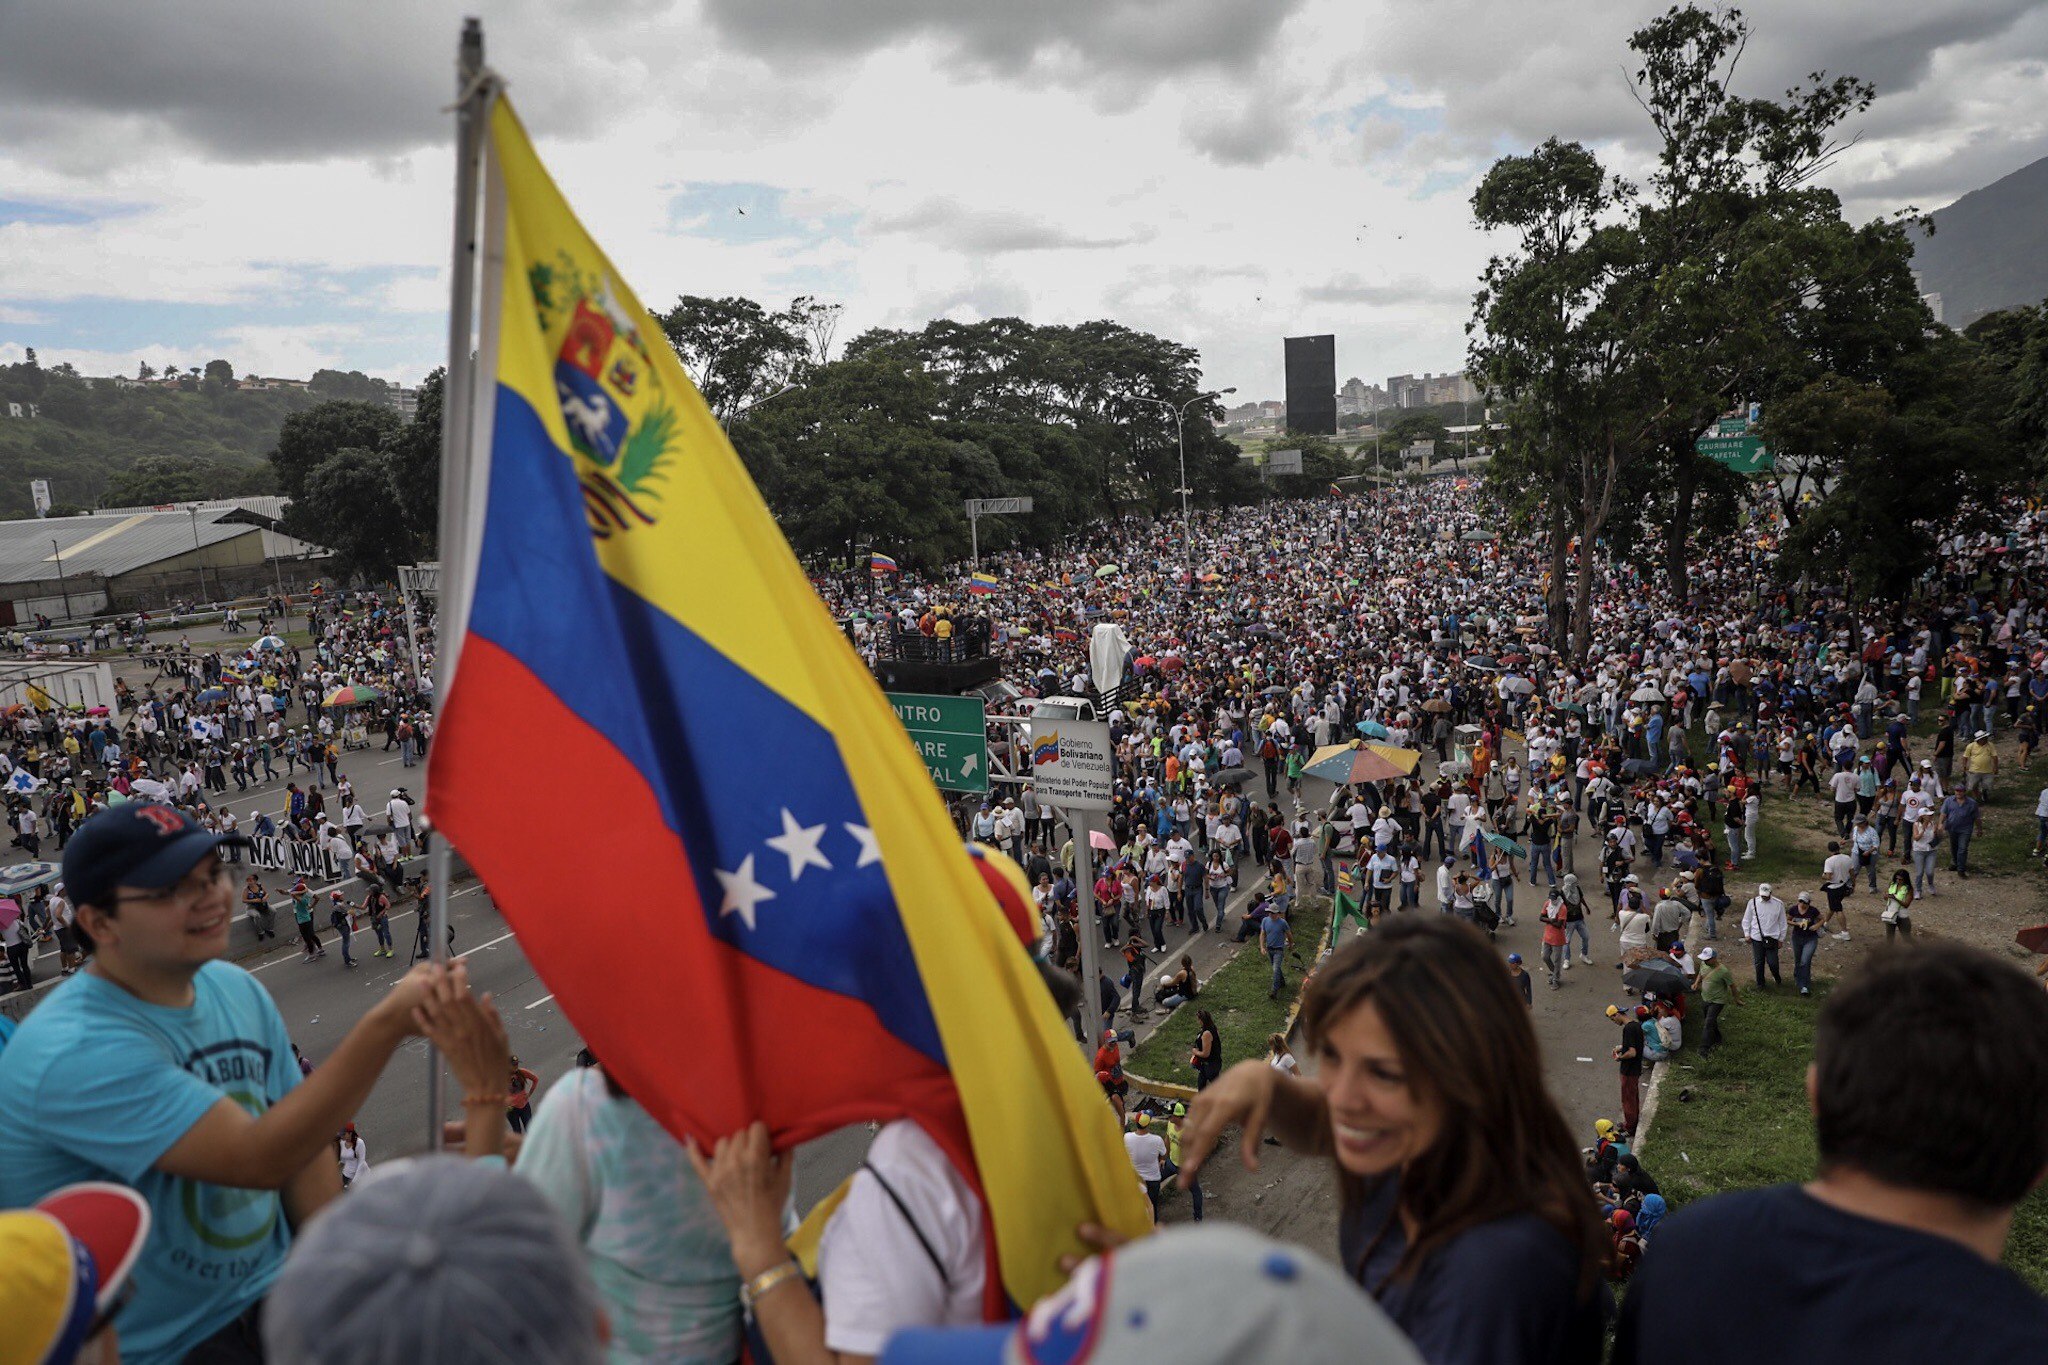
(435, 1259)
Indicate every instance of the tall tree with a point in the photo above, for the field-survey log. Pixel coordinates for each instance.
(309, 438)
(359, 513)
(1550, 337)
(738, 353)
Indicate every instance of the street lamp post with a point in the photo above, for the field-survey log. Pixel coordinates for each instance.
(1180, 437)
(62, 586)
(198, 560)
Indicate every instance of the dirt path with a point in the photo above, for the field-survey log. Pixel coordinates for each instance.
(2005, 891)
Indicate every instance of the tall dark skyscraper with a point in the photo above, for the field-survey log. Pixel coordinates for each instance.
(1312, 385)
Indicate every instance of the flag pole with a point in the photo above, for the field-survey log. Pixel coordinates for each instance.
(472, 98)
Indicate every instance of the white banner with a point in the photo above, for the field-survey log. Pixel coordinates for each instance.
(297, 857)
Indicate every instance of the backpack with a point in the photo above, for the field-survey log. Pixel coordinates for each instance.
(1268, 749)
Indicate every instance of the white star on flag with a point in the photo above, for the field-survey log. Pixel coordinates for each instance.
(870, 851)
(799, 844)
(742, 892)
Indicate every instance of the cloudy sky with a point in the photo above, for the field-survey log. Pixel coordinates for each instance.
(272, 182)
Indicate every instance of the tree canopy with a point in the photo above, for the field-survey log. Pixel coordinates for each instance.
(1623, 319)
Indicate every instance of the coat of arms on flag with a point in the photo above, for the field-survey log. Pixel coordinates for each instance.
(620, 420)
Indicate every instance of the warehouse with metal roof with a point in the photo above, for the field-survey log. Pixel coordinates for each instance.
(71, 567)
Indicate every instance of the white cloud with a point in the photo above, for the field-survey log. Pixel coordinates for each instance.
(1222, 173)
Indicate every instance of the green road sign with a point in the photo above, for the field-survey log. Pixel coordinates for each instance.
(951, 734)
(1729, 443)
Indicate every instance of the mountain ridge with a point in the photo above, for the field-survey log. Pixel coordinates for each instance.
(1989, 249)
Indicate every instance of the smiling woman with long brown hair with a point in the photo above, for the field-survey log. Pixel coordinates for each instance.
(1464, 1208)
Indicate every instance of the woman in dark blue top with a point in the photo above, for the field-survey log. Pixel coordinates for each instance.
(1465, 1208)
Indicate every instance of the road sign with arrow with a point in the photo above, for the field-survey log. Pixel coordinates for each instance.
(951, 735)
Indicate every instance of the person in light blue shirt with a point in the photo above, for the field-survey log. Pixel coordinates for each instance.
(163, 1068)
(1276, 936)
(650, 1235)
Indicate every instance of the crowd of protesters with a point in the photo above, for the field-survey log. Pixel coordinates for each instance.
(1472, 1225)
(247, 714)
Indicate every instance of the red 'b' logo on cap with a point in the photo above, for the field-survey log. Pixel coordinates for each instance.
(166, 820)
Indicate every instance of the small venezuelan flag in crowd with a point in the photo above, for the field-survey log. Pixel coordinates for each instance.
(811, 944)
(879, 563)
(982, 582)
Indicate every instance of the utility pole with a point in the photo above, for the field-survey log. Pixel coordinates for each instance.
(1187, 529)
(62, 586)
(198, 563)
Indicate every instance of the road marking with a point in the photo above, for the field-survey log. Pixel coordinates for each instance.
(542, 1001)
(481, 946)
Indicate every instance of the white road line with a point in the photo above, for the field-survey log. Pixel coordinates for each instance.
(542, 1001)
(481, 946)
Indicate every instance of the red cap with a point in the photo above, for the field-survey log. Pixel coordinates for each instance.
(112, 1221)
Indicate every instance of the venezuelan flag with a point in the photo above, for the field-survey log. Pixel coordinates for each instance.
(983, 582)
(805, 940)
(879, 563)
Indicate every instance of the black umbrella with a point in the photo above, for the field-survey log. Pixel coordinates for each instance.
(1659, 974)
(1233, 777)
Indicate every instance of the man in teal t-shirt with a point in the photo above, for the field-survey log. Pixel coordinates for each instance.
(165, 1069)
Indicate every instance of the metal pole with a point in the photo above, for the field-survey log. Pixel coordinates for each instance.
(62, 586)
(1090, 931)
(412, 648)
(469, 138)
(197, 562)
(277, 575)
(1187, 525)
(973, 538)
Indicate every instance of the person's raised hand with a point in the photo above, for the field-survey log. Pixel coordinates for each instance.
(405, 994)
(748, 1182)
(467, 1030)
(1242, 1095)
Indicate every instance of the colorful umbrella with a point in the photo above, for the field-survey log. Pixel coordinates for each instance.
(1098, 839)
(212, 694)
(1106, 570)
(1372, 729)
(1348, 764)
(355, 694)
(270, 642)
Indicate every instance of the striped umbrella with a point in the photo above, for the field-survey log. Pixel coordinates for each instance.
(354, 694)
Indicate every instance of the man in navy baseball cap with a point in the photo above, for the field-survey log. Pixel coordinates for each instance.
(137, 844)
(164, 1068)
